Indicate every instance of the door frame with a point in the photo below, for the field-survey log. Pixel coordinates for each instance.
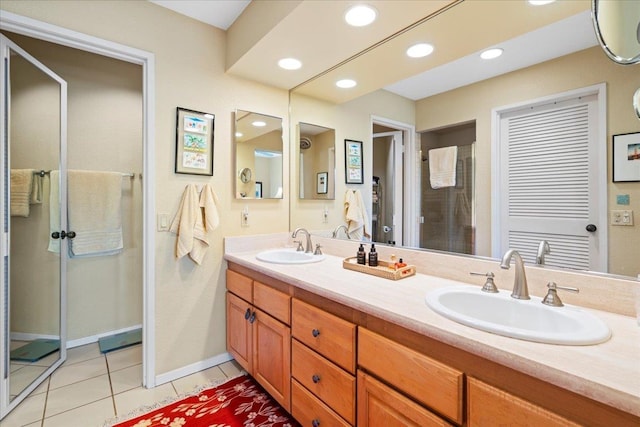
(41, 30)
(410, 179)
(600, 90)
(397, 218)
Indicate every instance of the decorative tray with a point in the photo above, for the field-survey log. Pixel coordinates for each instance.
(384, 269)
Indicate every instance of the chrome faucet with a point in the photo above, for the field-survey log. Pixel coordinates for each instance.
(543, 249)
(520, 289)
(341, 227)
(309, 245)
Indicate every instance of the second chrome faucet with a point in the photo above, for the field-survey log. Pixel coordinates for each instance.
(520, 288)
(309, 245)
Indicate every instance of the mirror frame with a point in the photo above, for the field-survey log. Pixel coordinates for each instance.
(595, 8)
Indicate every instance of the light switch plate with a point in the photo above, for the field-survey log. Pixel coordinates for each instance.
(622, 217)
(163, 222)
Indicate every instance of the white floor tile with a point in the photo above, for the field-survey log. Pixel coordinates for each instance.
(199, 379)
(231, 369)
(69, 374)
(93, 414)
(134, 399)
(120, 359)
(81, 393)
(126, 379)
(28, 411)
(82, 353)
(21, 378)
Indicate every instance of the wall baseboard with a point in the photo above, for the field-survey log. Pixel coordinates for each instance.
(94, 338)
(192, 369)
(22, 336)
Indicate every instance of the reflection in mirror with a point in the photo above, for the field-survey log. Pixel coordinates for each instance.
(316, 162)
(258, 148)
(437, 102)
(617, 24)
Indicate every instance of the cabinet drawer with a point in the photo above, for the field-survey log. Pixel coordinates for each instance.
(327, 381)
(308, 410)
(428, 381)
(325, 333)
(489, 406)
(379, 405)
(240, 285)
(274, 302)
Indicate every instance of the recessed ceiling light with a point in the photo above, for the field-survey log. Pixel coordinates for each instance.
(420, 50)
(238, 134)
(491, 53)
(259, 124)
(540, 2)
(346, 83)
(360, 15)
(289, 64)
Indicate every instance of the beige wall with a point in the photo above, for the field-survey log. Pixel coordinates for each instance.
(190, 64)
(584, 68)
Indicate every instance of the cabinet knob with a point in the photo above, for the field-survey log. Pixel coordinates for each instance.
(315, 423)
(247, 314)
(315, 333)
(315, 379)
(253, 317)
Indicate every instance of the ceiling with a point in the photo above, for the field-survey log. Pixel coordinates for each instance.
(260, 33)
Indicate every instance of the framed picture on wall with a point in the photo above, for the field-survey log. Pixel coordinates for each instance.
(194, 142)
(353, 162)
(626, 157)
(322, 183)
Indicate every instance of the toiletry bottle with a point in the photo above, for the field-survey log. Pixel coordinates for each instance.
(401, 264)
(393, 264)
(373, 256)
(361, 256)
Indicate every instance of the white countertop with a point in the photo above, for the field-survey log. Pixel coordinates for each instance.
(607, 372)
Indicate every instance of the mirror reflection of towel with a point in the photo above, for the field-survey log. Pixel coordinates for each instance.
(355, 215)
(21, 183)
(442, 167)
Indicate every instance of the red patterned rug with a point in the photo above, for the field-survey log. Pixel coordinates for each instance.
(240, 402)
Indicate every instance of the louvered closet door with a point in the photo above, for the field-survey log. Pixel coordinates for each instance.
(550, 177)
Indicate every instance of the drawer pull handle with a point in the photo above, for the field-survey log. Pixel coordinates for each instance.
(247, 314)
(315, 379)
(315, 423)
(315, 333)
(253, 317)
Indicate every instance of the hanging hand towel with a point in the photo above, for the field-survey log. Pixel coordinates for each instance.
(36, 190)
(21, 183)
(442, 167)
(94, 212)
(210, 219)
(54, 210)
(355, 215)
(188, 225)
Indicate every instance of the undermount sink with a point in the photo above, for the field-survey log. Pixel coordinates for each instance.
(523, 319)
(288, 256)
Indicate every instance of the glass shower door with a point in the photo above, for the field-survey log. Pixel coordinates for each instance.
(33, 344)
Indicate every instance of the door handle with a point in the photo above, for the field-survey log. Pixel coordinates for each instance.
(62, 234)
(591, 228)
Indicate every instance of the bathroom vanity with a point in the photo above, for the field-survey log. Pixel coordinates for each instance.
(345, 348)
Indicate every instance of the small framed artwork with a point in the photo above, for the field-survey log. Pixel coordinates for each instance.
(258, 189)
(194, 142)
(321, 187)
(353, 162)
(626, 157)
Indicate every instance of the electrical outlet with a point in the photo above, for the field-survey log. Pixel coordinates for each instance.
(244, 217)
(325, 215)
(622, 217)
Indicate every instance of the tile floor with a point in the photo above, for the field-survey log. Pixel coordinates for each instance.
(91, 388)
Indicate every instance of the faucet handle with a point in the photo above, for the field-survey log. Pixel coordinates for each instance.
(300, 248)
(318, 251)
(552, 297)
(489, 285)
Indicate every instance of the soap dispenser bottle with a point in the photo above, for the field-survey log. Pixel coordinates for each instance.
(361, 256)
(373, 256)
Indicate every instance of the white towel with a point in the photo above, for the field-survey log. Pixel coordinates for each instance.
(36, 190)
(94, 212)
(355, 215)
(442, 167)
(54, 210)
(21, 183)
(196, 216)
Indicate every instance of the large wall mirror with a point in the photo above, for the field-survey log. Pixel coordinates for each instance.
(547, 50)
(258, 147)
(316, 162)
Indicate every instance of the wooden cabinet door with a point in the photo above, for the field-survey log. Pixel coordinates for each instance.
(381, 406)
(239, 340)
(272, 357)
(489, 406)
